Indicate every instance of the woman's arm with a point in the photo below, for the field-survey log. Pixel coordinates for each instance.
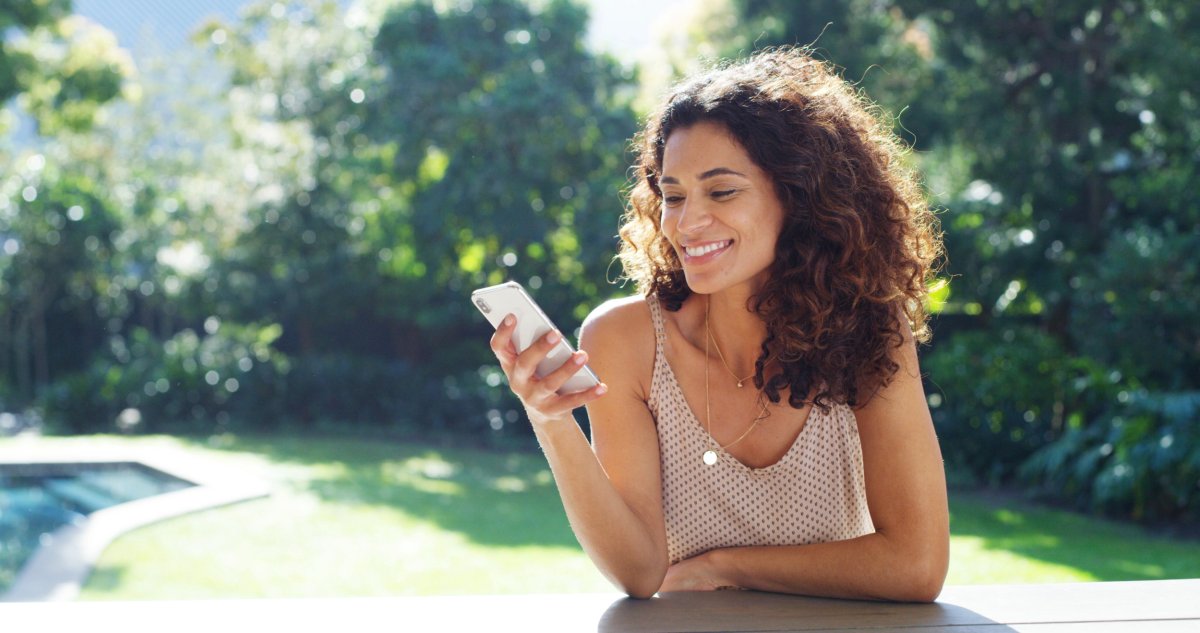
(907, 556)
(611, 491)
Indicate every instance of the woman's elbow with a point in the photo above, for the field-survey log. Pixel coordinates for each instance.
(640, 588)
(640, 593)
(641, 585)
(924, 588)
(923, 579)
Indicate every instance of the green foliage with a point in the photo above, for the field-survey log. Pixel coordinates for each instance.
(512, 136)
(413, 173)
(336, 392)
(1096, 94)
(1141, 458)
(1143, 293)
(58, 270)
(290, 203)
(182, 384)
(62, 67)
(876, 48)
(25, 16)
(996, 400)
(233, 378)
(1077, 223)
(997, 396)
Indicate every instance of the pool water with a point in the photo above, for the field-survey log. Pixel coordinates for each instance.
(36, 499)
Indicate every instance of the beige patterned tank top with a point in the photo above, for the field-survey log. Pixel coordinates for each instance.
(814, 494)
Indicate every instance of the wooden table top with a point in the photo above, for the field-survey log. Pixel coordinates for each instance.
(1161, 605)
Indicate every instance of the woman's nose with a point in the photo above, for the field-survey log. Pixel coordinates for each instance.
(693, 217)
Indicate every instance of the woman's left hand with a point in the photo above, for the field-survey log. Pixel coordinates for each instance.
(695, 574)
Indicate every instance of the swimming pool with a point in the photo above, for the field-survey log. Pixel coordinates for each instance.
(37, 499)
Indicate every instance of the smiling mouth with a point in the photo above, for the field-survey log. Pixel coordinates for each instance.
(705, 249)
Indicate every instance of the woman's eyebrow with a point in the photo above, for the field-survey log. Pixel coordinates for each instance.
(716, 171)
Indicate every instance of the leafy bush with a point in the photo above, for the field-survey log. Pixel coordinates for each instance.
(185, 383)
(996, 399)
(1022, 409)
(1135, 451)
(234, 379)
(1137, 313)
(339, 392)
(1141, 458)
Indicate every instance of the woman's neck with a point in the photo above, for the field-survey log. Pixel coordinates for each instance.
(737, 330)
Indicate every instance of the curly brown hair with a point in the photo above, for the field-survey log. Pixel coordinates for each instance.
(859, 242)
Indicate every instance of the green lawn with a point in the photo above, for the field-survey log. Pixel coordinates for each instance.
(354, 517)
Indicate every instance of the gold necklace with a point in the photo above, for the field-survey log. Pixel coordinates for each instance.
(740, 381)
(710, 456)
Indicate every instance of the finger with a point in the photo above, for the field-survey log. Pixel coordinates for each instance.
(554, 380)
(502, 343)
(556, 404)
(578, 399)
(527, 361)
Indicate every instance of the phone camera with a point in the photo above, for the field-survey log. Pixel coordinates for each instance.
(483, 305)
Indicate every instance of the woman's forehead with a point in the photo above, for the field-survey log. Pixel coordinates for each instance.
(702, 148)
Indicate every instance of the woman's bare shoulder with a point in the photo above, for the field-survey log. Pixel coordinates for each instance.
(620, 331)
(625, 318)
(621, 312)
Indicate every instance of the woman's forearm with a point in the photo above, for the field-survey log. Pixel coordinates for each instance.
(622, 544)
(873, 567)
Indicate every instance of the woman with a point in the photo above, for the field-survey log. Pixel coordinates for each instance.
(763, 423)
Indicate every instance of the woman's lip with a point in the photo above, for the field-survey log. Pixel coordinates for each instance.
(699, 259)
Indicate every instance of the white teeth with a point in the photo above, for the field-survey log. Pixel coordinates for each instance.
(700, 251)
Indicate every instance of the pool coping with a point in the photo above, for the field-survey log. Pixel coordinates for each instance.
(61, 564)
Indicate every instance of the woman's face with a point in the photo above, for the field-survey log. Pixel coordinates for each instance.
(719, 210)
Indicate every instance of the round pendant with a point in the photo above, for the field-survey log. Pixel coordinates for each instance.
(710, 458)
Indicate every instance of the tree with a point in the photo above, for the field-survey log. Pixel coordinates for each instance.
(513, 138)
(1082, 127)
(16, 61)
(55, 220)
(62, 68)
(444, 150)
(403, 158)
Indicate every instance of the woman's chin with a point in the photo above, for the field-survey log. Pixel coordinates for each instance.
(704, 284)
(708, 284)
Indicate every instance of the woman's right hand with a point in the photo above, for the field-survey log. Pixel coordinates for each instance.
(539, 395)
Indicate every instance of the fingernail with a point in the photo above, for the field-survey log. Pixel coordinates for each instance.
(602, 389)
(554, 337)
(508, 320)
(580, 358)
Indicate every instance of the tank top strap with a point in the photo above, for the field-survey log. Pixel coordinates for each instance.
(662, 371)
(660, 331)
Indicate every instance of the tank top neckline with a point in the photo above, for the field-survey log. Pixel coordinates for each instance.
(692, 421)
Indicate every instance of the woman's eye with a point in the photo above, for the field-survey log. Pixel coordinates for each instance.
(724, 193)
(671, 201)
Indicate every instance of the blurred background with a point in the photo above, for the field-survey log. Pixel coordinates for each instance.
(251, 228)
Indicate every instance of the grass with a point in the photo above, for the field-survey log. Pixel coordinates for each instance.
(354, 517)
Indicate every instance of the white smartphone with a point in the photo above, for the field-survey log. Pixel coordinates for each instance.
(497, 302)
